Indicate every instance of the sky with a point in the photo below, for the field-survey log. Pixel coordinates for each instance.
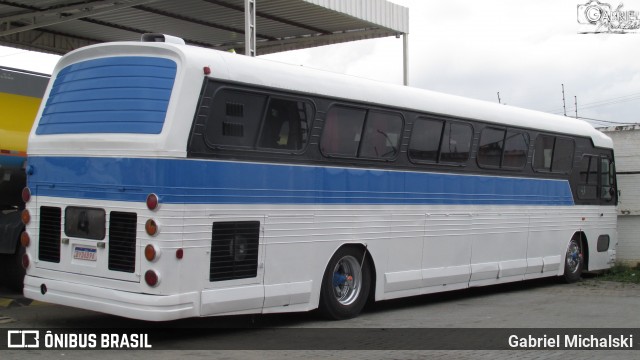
(522, 49)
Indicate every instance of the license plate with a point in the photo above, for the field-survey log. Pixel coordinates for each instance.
(85, 253)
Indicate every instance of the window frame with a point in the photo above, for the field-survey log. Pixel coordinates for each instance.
(269, 95)
(506, 131)
(611, 178)
(439, 160)
(258, 139)
(553, 151)
(367, 111)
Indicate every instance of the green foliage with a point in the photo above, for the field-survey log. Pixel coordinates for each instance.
(622, 273)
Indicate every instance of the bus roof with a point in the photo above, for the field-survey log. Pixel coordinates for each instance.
(273, 74)
(308, 80)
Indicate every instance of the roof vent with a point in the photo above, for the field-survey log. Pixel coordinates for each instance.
(155, 37)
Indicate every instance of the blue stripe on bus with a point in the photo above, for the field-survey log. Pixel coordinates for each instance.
(219, 182)
(126, 94)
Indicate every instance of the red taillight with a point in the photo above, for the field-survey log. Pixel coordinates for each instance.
(25, 261)
(179, 254)
(26, 194)
(151, 227)
(25, 216)
(150, 252)
(152, 201)
(25, 239)
(206, 70)
(151, 278)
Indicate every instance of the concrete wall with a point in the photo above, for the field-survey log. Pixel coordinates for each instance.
(626, 144)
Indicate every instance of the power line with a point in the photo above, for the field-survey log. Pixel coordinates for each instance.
(604, 102)
(605, 121)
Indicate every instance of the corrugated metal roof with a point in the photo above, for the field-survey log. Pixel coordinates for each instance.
(59, 26)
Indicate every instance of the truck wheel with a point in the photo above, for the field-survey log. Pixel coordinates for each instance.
(14, 272)
(345, 285)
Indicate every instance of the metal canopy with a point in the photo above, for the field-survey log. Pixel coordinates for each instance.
(59, 26)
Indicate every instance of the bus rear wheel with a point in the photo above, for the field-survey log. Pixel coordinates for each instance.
(573, 262)
(345, 284)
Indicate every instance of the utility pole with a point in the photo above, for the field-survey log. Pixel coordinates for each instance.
(499, 102)
(564, 105)
(576, 103)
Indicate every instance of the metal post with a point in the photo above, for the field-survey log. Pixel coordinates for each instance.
(250, 27)
(405, 59)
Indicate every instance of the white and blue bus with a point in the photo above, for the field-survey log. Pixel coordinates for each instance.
(168, 181)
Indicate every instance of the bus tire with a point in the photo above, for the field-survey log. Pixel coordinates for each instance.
(573, 262)
(345, 285)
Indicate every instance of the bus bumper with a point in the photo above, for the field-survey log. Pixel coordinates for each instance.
(115, 302)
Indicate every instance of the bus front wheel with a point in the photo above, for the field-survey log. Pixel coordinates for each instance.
(345, 284)
(573, 262)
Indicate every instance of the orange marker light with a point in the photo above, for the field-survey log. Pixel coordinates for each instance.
(25, 239)
(150, 252)
(151, 227)
(25, 216)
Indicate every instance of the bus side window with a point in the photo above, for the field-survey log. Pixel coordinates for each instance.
(456, 142)
(516, 148)
(554, 154)
(286, 125)
(491, 146)
(543, 153)
(607, 180)
(563, 155)
(425, 140)
(342, 131)
(381, 136)
(437, 141)
(587, 188)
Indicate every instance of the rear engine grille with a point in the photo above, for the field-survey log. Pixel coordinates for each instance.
(50, 227)
(234, 250)
(122, 241)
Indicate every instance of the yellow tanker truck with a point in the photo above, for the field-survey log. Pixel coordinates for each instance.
(20, 96)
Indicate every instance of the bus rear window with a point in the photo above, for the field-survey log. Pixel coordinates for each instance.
(126, 94)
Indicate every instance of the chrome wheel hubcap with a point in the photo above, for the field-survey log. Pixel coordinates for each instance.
(347, 280)
(574, 257)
